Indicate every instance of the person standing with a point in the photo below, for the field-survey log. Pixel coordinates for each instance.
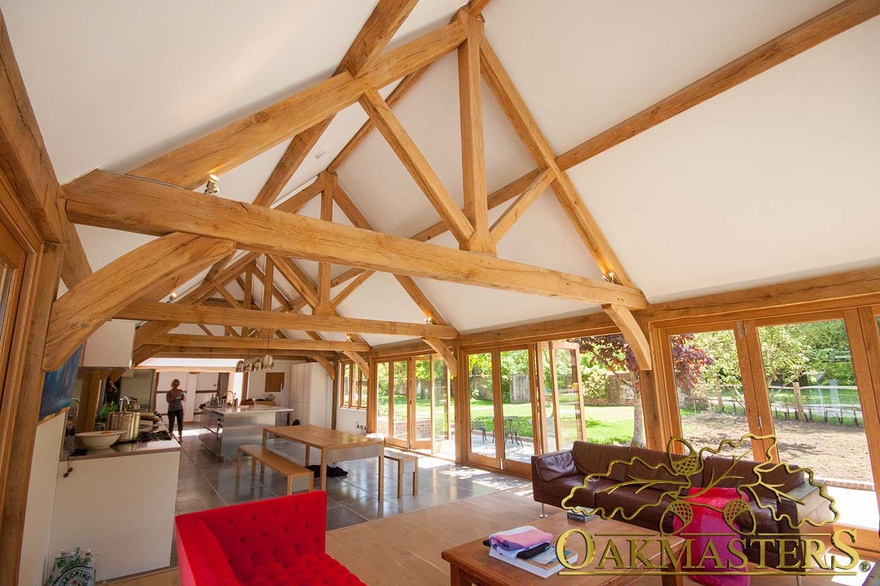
(175, 398)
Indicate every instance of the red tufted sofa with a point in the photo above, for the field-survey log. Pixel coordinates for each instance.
(274, 541)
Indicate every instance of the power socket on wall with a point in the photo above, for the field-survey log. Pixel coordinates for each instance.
(362, 428)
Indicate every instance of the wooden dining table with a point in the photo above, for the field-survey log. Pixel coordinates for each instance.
(335, 446)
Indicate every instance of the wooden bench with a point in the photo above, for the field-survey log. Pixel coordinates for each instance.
(276, 462)
(403, 459)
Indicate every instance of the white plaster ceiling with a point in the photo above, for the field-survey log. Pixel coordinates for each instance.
(773, 179)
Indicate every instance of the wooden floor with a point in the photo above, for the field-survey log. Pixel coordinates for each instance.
(405, 549)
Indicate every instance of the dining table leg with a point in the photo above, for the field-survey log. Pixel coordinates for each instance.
(382, 475)
(323, 469)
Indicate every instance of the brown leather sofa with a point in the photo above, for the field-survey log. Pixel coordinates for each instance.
(556, 474)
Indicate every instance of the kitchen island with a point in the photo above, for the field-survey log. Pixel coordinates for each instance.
(230, 427)
(106, 498)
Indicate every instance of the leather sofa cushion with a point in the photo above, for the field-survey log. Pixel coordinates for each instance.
(561, 487)
(654, 471)
(629, 500)
(555, 465)
(594, 458)
(585, 496)
(743, 472)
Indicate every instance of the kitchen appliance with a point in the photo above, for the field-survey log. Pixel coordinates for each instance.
(126, 421)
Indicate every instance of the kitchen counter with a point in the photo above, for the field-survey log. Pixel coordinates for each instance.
(107, 497)
(230, 427)
(130, 449)
(256, 408)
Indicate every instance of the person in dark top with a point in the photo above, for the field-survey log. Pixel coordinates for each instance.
(175, 397)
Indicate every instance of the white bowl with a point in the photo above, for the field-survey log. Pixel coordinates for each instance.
(94, 440)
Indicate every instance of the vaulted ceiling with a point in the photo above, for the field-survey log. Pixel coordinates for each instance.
(775, 177)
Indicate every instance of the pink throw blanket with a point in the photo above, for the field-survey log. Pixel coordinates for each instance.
(709, 525)
(519, 538)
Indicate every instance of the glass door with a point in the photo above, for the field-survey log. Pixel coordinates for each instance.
(817, 411)
(444, 410)
(399, 404)
(562, 402)
(516, 437)
(713, 402)
(482, 444)
(501, 412)
(405, 403)
(421, 404)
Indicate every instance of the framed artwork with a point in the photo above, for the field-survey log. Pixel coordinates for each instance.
(58, 386)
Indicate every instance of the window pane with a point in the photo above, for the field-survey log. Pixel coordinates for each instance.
(709, 387)
(363, 385)
(817, 411)
(482, 405)
(549, 404)
(355, 385)
(345, 396)
(399, 410)
(423, 399)
(612, 399)
(382, 384)
(516, 407)
(570, 421)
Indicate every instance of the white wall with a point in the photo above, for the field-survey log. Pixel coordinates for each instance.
(257, 382)
(347, 420)
(41, 500)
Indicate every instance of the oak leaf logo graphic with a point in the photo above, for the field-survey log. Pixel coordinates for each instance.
(676, 483)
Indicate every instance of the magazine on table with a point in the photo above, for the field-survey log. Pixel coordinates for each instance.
(544, 565)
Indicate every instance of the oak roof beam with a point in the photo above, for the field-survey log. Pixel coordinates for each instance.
(515, 211)
(830, 23)
(833, 21)
(117, 201)
(222, 316)
(416, 164)
(473, 162)
(242, 140)
(384, 21)
(196, 341)
(533, 138)
(357, 218)
(25, 163)
(632, 333)
(79, 312)
(447, 354)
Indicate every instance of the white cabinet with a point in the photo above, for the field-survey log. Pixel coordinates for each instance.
(311, 394)
(110, 345)
(121, 507)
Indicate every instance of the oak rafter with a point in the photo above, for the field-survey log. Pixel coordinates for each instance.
(123, 202)
(80, 311)
(253, 318)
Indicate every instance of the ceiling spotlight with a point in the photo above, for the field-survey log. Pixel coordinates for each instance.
(172, 296)
(429, 321)
(211, 187)
(609, 277)
(348, 337)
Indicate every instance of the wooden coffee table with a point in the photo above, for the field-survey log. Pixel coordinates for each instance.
(470, 563)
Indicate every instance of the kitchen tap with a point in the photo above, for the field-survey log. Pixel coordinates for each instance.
(124, 403)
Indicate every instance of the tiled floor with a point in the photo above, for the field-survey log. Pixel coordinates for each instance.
(205, 482)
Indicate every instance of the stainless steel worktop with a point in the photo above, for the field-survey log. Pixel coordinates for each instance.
(226, 410)
(230, 427)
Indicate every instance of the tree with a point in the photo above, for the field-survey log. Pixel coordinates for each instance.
(613, 352)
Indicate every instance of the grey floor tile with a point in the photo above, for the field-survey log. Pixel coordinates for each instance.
(340, 517)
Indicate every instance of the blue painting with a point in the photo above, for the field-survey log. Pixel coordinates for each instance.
(58, 386)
